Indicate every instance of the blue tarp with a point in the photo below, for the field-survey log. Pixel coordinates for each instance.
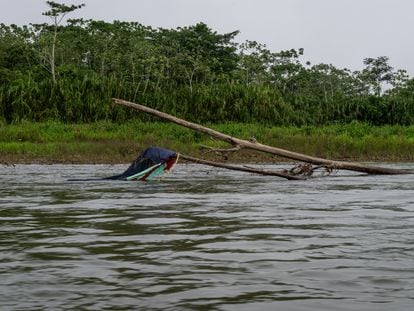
(148, 158)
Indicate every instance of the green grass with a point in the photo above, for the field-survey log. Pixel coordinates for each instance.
(107, 142)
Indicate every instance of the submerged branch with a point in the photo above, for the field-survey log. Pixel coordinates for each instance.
(282, 174)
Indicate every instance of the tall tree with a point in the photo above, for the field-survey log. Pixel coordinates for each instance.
(376, 72)
(57, 13)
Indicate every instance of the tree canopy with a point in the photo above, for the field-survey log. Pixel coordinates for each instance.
(71, 70)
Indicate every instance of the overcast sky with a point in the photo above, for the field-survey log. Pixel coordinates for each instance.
(340, 32)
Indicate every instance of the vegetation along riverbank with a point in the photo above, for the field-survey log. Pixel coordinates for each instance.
(57, 80)
(109, 142)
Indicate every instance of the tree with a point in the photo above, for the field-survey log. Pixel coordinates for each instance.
(376, 72)
(57, 13)
(285, 66)
(254, 62)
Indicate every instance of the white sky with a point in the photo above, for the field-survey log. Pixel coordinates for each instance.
(340, 32)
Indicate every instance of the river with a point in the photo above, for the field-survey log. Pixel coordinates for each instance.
(204, 239)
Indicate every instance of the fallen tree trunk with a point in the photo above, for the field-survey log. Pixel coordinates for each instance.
(344, 165)
(242, 169)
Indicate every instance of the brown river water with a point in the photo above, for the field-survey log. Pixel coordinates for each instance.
(204, 239)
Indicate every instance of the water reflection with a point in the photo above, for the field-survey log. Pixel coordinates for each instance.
(202, 239)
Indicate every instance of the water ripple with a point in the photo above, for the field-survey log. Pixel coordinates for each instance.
(204, 239)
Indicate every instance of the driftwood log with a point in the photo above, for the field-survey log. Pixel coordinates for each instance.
(240, 143)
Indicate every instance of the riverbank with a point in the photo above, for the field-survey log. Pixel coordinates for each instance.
(107, 142)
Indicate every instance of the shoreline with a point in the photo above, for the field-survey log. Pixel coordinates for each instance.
(117, 157)
(112, 143)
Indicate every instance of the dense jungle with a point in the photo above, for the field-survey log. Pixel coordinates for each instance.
(63, 74)
(69, 69)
